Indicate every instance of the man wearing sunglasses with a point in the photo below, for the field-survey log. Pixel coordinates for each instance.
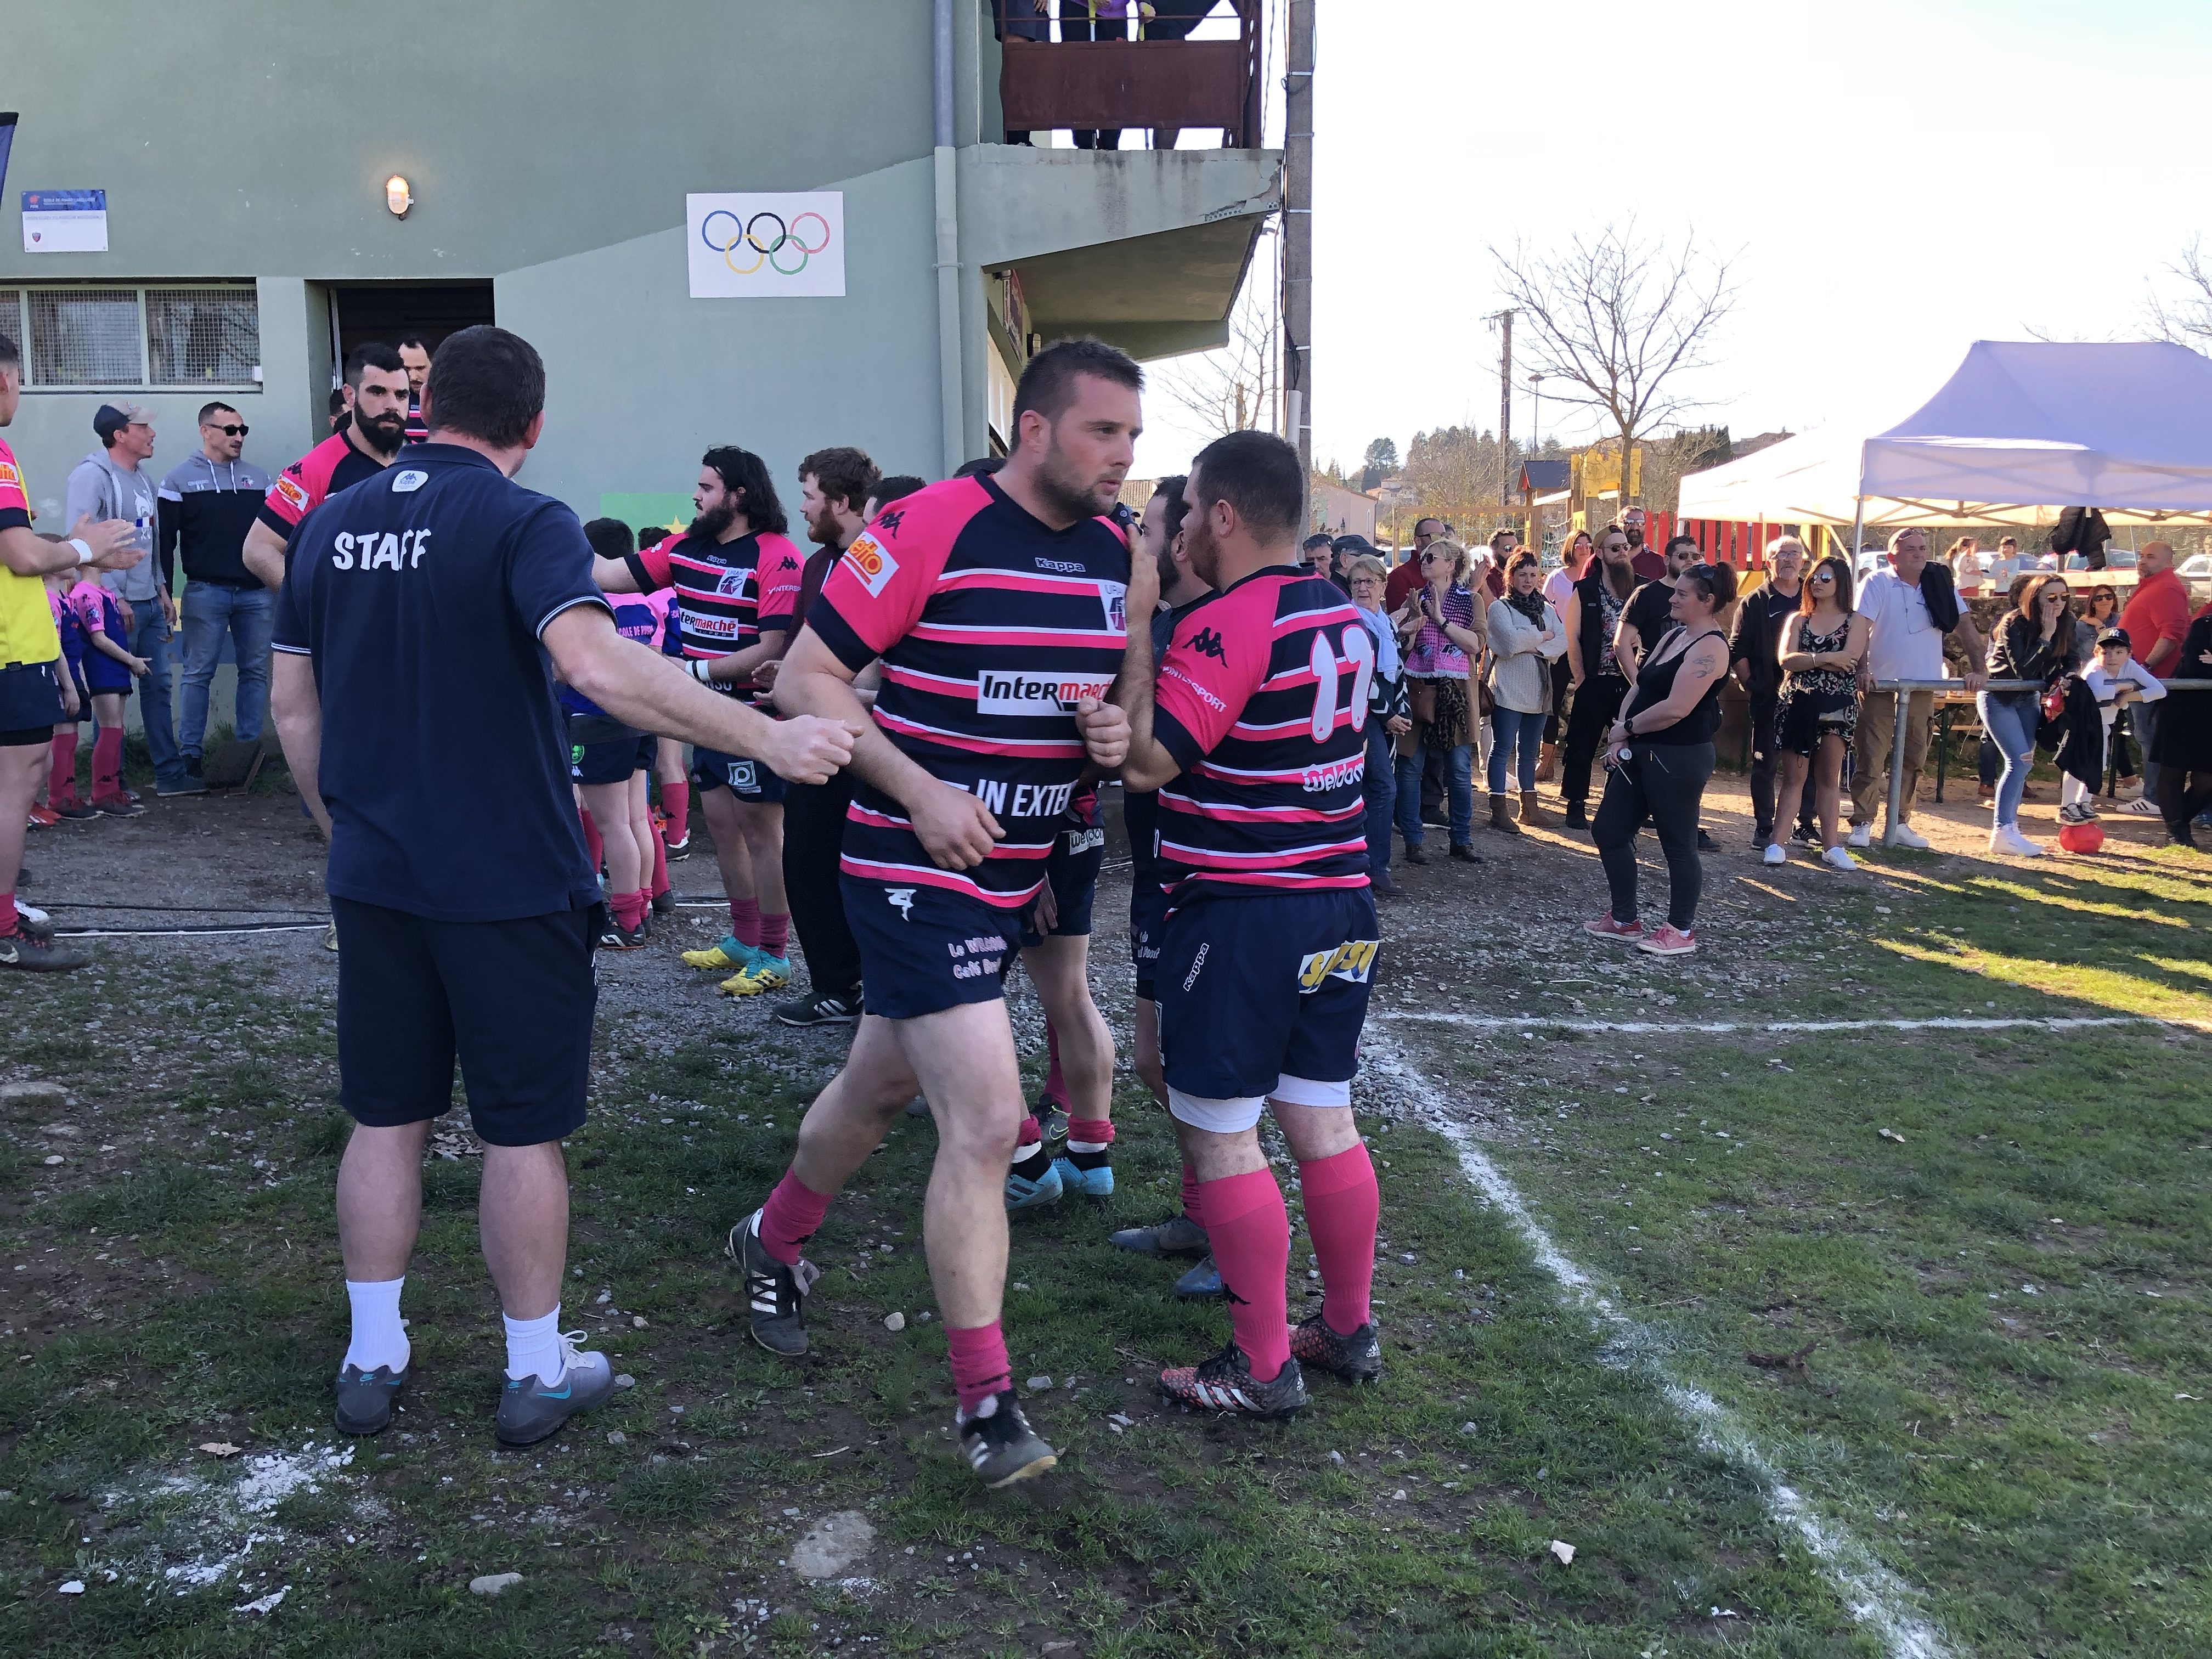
(207, 505)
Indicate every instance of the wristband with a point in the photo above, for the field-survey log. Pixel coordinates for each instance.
(698, 666)
(83, 550)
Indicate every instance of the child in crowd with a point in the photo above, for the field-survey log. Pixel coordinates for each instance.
(2116, 680)
(61, 801)
(109, 670)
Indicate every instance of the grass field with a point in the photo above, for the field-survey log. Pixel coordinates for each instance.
(1986, 1329)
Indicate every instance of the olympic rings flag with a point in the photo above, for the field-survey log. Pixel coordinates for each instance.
(758, 245)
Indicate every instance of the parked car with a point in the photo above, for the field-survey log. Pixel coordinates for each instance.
(2196, 567)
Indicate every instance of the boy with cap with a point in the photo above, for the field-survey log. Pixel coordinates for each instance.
(2116, 680)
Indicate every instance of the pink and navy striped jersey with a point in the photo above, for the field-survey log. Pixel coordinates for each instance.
(1262, 698)
(991, 626)
(727, 593)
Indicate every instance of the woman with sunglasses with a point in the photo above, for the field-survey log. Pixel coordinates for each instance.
(2034, 642)
(1443, 635)
(1660, 751)
(1817, 718)
(2101, 610)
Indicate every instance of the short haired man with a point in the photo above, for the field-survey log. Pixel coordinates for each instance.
(834, 488)
(478, 945)
(113, 482)
(375, 387)
(208, 503)
(1255, 726)
(2156, 619)
(1316, 552)
(1649, 566)
(1648, 615)
(996, 606)
(1754, 653)
(1408, 575)
(1906, 643)
(1503, 544)
(415, 357)
(30, 684)
(736, 578)
(1599, 679)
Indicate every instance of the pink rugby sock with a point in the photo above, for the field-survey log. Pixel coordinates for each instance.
(979, 1366)
(791, 1215)
(1342, 1205)
(745, 922)
(1250, 1233)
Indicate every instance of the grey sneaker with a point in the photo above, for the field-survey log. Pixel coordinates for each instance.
(23, 950)
(777, 1292)
(1200, 1283)
(365, 1398)
(1177, 1236)
(1001, 1446)
(530, 1408)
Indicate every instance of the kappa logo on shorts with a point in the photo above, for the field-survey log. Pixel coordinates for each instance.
(1196, 962)
(1353, 960)
(1208, 643)
(871, 563)
(903, 899)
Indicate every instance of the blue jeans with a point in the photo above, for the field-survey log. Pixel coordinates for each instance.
(244, 614)
(2145, 718)
(149, 638)
(1513, 730)
(1382, 791)
(2009, 718)
(1459, 792)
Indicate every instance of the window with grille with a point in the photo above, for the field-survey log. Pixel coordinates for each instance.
(197, 335)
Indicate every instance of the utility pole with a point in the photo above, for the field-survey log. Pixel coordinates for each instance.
(1536, 422)
(1298, 232)
(1504, 321)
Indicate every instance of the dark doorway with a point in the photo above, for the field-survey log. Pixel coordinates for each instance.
(390, 311)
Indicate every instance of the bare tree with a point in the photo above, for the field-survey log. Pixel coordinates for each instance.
(2185, 319)
(1236, 386)
(1618, 321)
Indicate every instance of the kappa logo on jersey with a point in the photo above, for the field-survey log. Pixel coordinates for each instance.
(407, 480)
(903, 899)
(1208, 643)
(891, 521)
(1036, 691)
(871, 563)
(788, 563)
(293, 492)
(1352, 960)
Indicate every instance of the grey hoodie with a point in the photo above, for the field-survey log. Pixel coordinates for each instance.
(105, 490)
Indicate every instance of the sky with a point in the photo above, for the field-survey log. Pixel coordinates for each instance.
(1889, 181)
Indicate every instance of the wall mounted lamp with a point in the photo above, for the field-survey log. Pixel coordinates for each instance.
(398, 196)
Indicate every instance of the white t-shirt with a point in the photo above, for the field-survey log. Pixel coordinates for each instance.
(1557, 586)
(1905, 644)
(2105, 687)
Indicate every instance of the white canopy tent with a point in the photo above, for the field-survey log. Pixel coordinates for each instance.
(2021, 430)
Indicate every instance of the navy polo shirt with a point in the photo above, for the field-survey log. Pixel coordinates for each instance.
(421, 594)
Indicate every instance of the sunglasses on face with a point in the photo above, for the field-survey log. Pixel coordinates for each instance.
(238, 431)
(1827, 576)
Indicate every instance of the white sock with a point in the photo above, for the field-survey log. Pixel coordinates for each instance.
(378, 1338)
(534, 1345)
(1088, 1146)
(2071, 790)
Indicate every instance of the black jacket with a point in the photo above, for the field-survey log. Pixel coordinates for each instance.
(1757, 638)
(205, 511)
(1591, 640)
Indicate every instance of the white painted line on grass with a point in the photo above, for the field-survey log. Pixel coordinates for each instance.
(1724, 1027)
(1876, 1596)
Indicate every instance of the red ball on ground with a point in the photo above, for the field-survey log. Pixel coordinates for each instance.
(2088, 837)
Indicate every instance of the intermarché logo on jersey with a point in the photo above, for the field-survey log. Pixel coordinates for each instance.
(1352, 960)
(1035, 692)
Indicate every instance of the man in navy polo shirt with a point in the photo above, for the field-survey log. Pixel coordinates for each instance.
(412, 636)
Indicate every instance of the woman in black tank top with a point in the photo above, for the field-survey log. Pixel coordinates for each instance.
(1661, 753)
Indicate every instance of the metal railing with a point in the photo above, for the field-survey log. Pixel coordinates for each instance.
(1902, 690)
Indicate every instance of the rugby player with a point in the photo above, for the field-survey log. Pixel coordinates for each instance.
(736, 575)
(415, 356)
(608, 762)
(1182, 1234)
(995, 605)
(670, 771)
(376, 429)
(1252, 730)
(476, 947)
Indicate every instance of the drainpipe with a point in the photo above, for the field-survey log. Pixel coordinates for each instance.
(953, 405)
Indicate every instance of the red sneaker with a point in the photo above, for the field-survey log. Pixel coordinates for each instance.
(1666, 940)
(1606, 927)
(43, 817)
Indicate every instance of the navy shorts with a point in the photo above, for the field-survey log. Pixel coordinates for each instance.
(30, 697)
(602, 749)
(1071, 869)
(512, 1001)
(926, 949)
(1263, 996)
(746, 778)
(1148, 921)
